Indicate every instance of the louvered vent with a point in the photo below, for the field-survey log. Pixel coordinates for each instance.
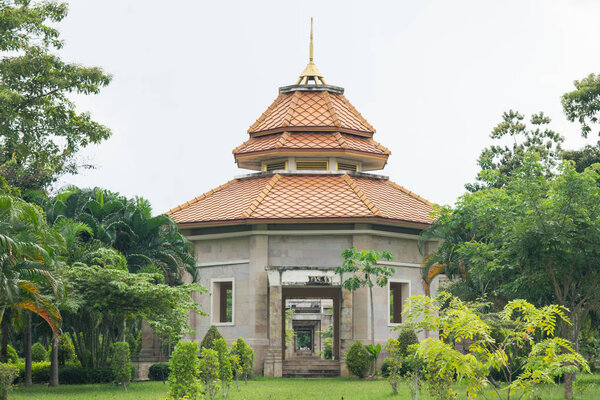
(312, 165)
(342, 166)
(275, 166)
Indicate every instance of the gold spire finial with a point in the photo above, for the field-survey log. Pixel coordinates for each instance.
(311, 72)
(310, 56)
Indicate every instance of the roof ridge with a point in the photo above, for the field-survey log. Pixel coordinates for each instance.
(357, 114)
(267, 112)
(201, 197)
(261, 196)
(380, 146)
(282, 139)
(361, 195)
(340, 139)
(412, 194)
(334, 117)
(291, 109)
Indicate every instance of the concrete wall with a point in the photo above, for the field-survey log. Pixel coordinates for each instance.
(244, 259)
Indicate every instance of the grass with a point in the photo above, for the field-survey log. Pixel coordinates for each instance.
(270, 388)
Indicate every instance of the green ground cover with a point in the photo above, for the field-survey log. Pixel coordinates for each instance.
(269, 388)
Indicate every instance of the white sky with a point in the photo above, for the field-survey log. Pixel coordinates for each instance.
(433, 77)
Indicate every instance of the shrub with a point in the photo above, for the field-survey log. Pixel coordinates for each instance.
(394, 364)
(246, 356)
(225, 372)
(358, 359)
(38, 353)
(183, 372)
(8, 373)
(66, 351)
(100, 375)
(121, 363)
(159, 371)
(406, 338)
(73, 375)
(209, 339)
(13, 357)
(209, 371)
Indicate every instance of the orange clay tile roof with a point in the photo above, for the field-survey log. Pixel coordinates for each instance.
(300, 110)
(311, 141)
(311, 197)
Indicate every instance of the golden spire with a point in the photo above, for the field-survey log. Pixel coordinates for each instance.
(311, 72)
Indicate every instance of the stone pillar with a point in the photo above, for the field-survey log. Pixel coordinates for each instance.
(273, 360)
(346, 335)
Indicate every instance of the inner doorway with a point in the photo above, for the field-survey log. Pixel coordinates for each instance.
(311, 322)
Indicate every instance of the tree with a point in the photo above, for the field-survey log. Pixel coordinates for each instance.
(364, 271)
(102, 299)
(209, 371)
(499, 162)
(533, 234)
(120, 363)
(525, 325)
(225, 369)
(394, 363)
(40, 128)
(583, 104)
(184, 371)
(149, 244)
(246, 357)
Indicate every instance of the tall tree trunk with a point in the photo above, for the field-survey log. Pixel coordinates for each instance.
(28, 379)
(571, 333)
(54, 363)
(372, 317)
(4, 346)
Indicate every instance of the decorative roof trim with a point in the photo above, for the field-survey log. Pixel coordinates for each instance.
(291, 109)
(356, 113)
(361, 195)
(267, 112)
(261, 196)
(311, 88)
(311, 129)
(288, 150)
(334, 117)
(412, 194)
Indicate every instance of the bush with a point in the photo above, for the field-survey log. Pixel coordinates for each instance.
(69, 374)
(209, 339)
(225, 371)
(38, 353)
(246, 356)
(358, 359)
(121, 363)
(66, 351)
(184, 371)
(406, 338)
(8, 373)
(13, 357)
(73, 375)
(159, 372)
(209, 371)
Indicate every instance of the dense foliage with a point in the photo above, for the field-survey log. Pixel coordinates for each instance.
(159, 372)
(40, 127)
(120, 363)
(212, 335)
(245, 356)
(183, 372)
(358, 359)
(524, 325)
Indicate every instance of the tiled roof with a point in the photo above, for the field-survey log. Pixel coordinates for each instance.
(284, 197)
(311, 141)
(300, 110)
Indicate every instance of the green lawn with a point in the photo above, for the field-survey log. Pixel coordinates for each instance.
(267, 388)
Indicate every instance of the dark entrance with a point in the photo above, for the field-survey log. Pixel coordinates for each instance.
(305, 335)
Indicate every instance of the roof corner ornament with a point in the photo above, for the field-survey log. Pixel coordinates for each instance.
(311, 72)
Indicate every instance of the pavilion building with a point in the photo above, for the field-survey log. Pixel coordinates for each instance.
(269, 241)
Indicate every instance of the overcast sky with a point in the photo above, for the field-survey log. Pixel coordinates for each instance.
(432, 77)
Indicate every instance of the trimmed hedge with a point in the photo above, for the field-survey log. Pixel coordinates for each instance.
(159, 371)
(358, 359)
(211, 336)
(68, 375)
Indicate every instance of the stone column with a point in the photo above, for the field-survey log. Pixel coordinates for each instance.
(345, 329)
(273, 360)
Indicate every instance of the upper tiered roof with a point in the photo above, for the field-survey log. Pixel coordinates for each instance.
(311, 146)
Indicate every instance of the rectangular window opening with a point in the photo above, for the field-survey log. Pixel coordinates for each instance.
(222, 302)
(398, 293)
(314, 165)
(344, 166)
(274, 166)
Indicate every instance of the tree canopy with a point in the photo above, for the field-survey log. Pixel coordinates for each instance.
(40, 128)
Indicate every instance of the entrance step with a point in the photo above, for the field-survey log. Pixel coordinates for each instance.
(310, 367)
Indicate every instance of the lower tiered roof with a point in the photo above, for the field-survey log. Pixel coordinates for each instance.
(311, 197)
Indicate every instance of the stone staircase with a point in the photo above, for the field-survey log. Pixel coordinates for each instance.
(310, 367)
